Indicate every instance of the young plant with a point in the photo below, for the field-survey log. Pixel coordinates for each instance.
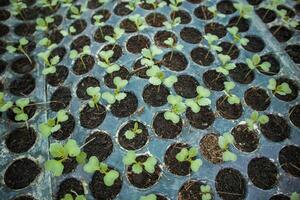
(231, 98)
(172, 23)
(20, 47)
(172, 44)
(226, 64)
(295, 196)
(149, 55)
(110, 175)
(132, 133)
(214, 11)
(132, 4)
(50, 65)
(139, 21)
(53, 124)
(282, 89)
(206, 192)
(70, 197)
(4, 105)
(200, 100)
(273, 4)
(256, 120)
(237, 38)
(149, 197)
(111, 98)
(98, 20)
(177, 108)
(245, 10)
(255, 62)
(223, 143)
(18, 109)
(118, 32)
(47, 43)
(174, 4)
(51, 4)
(94, 92)
(106, 64)
(211, 41)
(42, 24)
(66, 3)
(189, 155)
(158, 77)
(74, 54)
(137, 166)
(286, 21)
(156, 4)
(17, 6)
(76, 11)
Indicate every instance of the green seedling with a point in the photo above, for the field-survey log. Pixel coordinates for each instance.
(74, 54)
(174, 4)
(255, 62)
(20, 47)
(224, 142)
(50, 65)
(18, 109)
(104, 1)
(189, 155)
(53, 124)
(139, 21)
(4, 105)
(172, 23)
(282, 89)
(256, 120)
(172, 44)
(149, 197)
(211, 41)
(149, 55)
(98, 20)
(42, 24)
(132, 4)
(200, 100)
(214, 11)
(226, 64)
(106, 64)
(16, 7)
(70, 197)
(110, 175)
(206, 192)
(291, 23)
(231, 98)
(156, 4)
(132, 133)
(77, 11)
(295, 196)
(48, 3)
(273, 4)
(158, 77)
(177, 108)
(245, 10)
(138, 166)
(47, 43)
(94, 92)
(237, 38)
(118, 32)
(111, 98)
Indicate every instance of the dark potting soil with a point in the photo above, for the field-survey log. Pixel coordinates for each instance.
(161, 36)
(155, 96)
(3, 45)
(3, 66)
(255, 44)
(29, 110)
(240, 22)
(139, 69)
(144, 179)
(20, 139)
(22, 86)
(29, 13)
(70, 165)
(4, 3)
(245, 140)
(277, 129)
(57, 21)
(26, 197)
(80, 42)
(85, 83)
(67, 128)
(185, 17)
(122, 73)
(242, 74)
(58, 77)
(293, 86)
(94, 4)
(263, 173)
(215, 28)
(104, 12)
(297, 8)
(49, 10)
(266, 15)
(201, 120)
(203, 13)
(136, 43)
(91, 118)
(279, 197)
(121, 9)
(186, 86)
(230, 184)
(155, 19)
(175, 61)
(294, 53)
(128, 25)
(3, 30)
(116, 49)
(83, 65)
(55, 36)
(190, 190)
(289, 159)
(146, 6)
(254, 2)
(289, 11)
(103, 31)
(79, 25)
(195, 1)
(191, 35)
(210, 149)
(275, 65)
(281, 33)
(58, 51)
(226, 7)
(166, 128)
(202, 56)
(22, 65)
(160, 197)
(257, 98)
(230, 50)
(125, 107)
(294, 115)
(21, 173)
(98, 144)
(69, 186)
(25, 29)
(172, 164)
(100, 191)
(227, 110)
(60, 99)
(28, 48)
(4, 14)
(138, 141)
(214, 80)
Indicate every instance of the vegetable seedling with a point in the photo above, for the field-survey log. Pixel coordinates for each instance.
(256, 120)
(149, 197)
(226, 64)
(48, 4)
(286, 21)
(211, 41)
(139, 21)
(214, 11)
(77, 11)
(224, 142)
(70, 197)
(61, 153)
(149, 55)
(47, 43)
(42, 24)
(189, 155)
(53, 124)
(20, 47)
(4, 105)
(282, 89)
(177, 108)
(18, 109)
(66, 3)
(106, 64)
(156, 4)
(295, 196)
(206, 192)
(132, 4)
(158, 77)
(200, 100)
(245, 10)
(17, 7)
(74, 54)
(172, 23)
(138, 166)
(110, 175)
(174, 4)
(231, 98)
(237, 38)
(255, 62)
(94, 92)
(172, 44)
(111, 98)
(118, 32)
(132, 133)
(50, 65)
(98, 20)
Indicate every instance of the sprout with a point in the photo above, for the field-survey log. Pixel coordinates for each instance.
(282, 89)
(214, 11)
(77, 12)
(189, 155)
(111, 98)
(138, 166)
(48, 3)
(206, 192)
(172, 23)
(149, 55)
(139, 21)
(245, 10)
(174, 4)
(71, 30)
(70, 197)
(223, 143)
(42, 24)
(149, 197)
(74, 54)
(98, 20)
(231, 98)
(157, 77)
(53, 124)
(255, 119)
(177, 108)
(132, 4)
(18, 109)
(110, 175)
(172, 44)
(50, 65)
(273, 4)
(47, 43)
(286, 20)
(4, 105)
(130, 134)
(200, 100)
(156, 4)
(255, 62)
(20, 47)
(295, 196)
(61, 153)
(66, 3)
(211, 40)
(106, 64)
(226, 66)
(237, 38)
(118, 32)
(17, 6)
(94, 92)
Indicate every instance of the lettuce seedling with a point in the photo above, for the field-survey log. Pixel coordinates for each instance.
(231, 98)
(106, 64)
(132, 4)
(245, 10)
(177, 108)
(51, 4)
(237, 38)
(149, 55)
(255, 62)
(149, 197)
(200, 100)
(74, 54)
(53, 124)
(189, 155)
(18, 109)
(111, 98)
(110, 175)
(282, 89)
(223, 143)
(206, 192)
(256, 120)
(118, 32)
(20, 47)
(47, 43)
(42, 24)
(4, 105)
(273, 4)
(66, 3)
(132, 133)
(174, 4)
(98, 20)
(76, 12)
(94, 92)
(70, 197)
(158, 77)
(226, 64)
(211, 41)
(17, 6)
(60, 153)
(295, 196)
(172, 44)
(50, 65)
(139, 21)
(137, 166)
(286, 20)
(172, 23)
(156, 4)
(214, 11)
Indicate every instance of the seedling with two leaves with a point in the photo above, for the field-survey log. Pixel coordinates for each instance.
(174, 4)
(98, 20)
(118, 32)
(286, 21)
(53, 124)
(172, 44)
(200, 100)
(224, 141)
(4, 105)
(104, 61)
(282, 89)
(149, 54)
(19, 111)
(51, 4)
(158, 77)
(214, 11)
(172, 23)
(138, 166)
(189, 155)
(256, 120)
(17, 6)
(117, 95)
(132, 4)
(110, 175)
(237, 38)
(47, 43)
(226, 64)
(231, 98)
(156, 4)
(295, 196)
(66, 3)
(177, 108)
(74, 54)
(245, 10)
(206, 192)
(77, 11)
(255, 62)
(70, 197)
(132, 133)
(94, 93)
(42, 24)
(211, 41)
(20, 47)
(50, 65)
(139, 21)
(149, 197)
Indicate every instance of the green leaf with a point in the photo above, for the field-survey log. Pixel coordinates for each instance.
(55, 167)
(193, 152)
(73, 54)
(93, 91)
(149, 164)
(265, 66)
(11, 49)
(206, 196)
(172, 117)
(229, 85)
(67, 197)
(80, 158)
(137, 168)
(45, 130)
(149, 197)
(174, 99)
(72, 148)
(233, 99)
(92, 165)
(110, 177)
(193, 105)
(54, 60)
(57, 150)
(203, 92)
(170, 81)
(272, 84)
(4, 107)
(129, 134)
(204, 102)
(129, 158)
(21, 117)
(256, 59)
(110, 98)
(62, 116)
(23, 102)
(205, 188)
(196, 164)
(120, 96)
(80, 197)
(23, 41)
(229, 156)
(283, 89)
(254, 116)
(263, 119)
(295, 196)
(119, 82)
(182, 155)
(155, 81)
